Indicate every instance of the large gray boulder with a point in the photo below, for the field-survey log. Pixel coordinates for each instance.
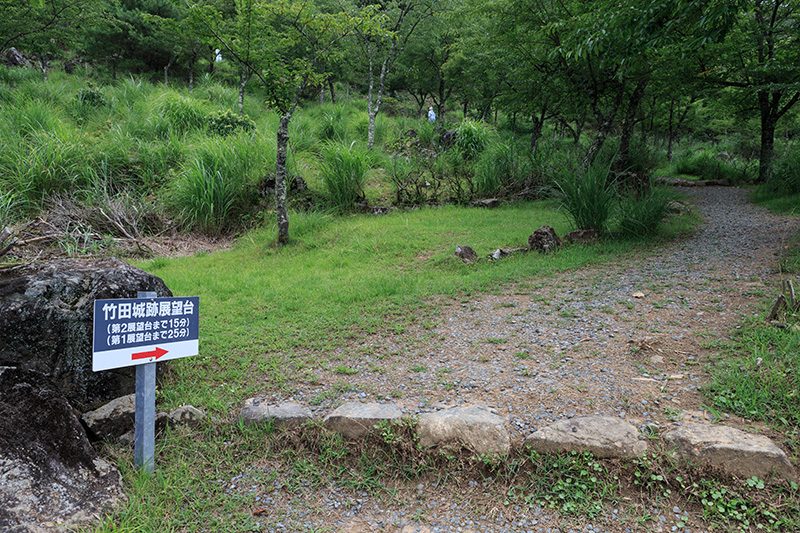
(50, 476)
(603, 436)
(46, 323)
(730, 450)
(354, 420)
(473, 427)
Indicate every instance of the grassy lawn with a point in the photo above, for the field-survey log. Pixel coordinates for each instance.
(265, 309)
(758, 372)
(788, 204)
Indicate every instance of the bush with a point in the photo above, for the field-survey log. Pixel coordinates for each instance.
(588, 195)
(344, 171)
(333, 124)
(91, 96)
(707, 165)
(472, 137)
(175, 113)
(227, 123)
(218, 185)
(641, 216)
(46, 164)
(786, 172)
(502, 168)
(642, 159)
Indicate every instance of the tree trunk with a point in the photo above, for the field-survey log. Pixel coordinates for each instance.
(44, 66)
(371, 106)
(767, 150)
(466, 108)
(628, 124)
(606, 122)
(280, 178)
(538, 124)
(192, 62)
(671, 128)
(332, 91)
(242, 84)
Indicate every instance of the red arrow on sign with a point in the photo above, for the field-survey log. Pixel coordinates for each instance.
(158, 352)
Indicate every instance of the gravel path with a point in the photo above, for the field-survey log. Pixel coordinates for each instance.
(627, 339)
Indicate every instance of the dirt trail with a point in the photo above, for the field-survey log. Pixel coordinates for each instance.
(582, 342)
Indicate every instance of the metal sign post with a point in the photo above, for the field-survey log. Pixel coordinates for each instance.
(138, 332)
(144, 429)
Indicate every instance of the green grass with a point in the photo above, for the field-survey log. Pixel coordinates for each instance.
(265, 309)
(757, 376)
(787, 204)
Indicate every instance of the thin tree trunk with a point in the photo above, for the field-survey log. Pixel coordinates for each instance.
(538, 124)
(767, 149)
(44, 65)
(242, 84)
(371, 112)
(332, 91)
(671, 128)
(192, 65)
(628, 124)
(280, 178)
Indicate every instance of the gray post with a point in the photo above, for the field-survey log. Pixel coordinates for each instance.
(145, 424)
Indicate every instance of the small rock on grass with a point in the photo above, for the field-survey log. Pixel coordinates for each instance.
(472, 427)
(287, 414)
(186, 414)
(354, 419)
(603, 436)
(466, 254)
(730, 450)
(544, 240)
(582, 236)
(112, 419)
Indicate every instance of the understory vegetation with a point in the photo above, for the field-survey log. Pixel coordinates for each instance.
(263, 469)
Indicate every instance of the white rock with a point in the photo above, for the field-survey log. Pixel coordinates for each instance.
(603, 436)
(355, 419)
(287, 414)
(730, 450)
(472, 427)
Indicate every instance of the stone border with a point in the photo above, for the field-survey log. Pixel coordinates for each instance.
(483, 432)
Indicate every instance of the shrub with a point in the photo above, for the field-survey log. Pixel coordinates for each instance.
(226, 123)
(502, 168)
(175, 113)
(91, 96)
(786, 172)
(333, 124)
(641, 216)
(45, 165)
(218, 184)
(642, 159)
(588, 195)
(707, 165)
(472, 137)
(344, 171)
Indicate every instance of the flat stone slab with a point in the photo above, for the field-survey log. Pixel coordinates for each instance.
(603, 436)
(355, 419)
(473, 427)
(286, 414)
(730, 450)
